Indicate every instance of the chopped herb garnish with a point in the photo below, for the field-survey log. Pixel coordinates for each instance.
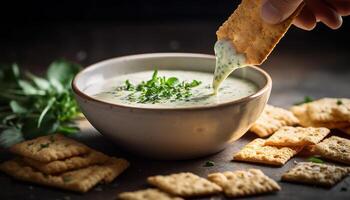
(42, 146)
(159, 89)
(315, 160)
(339, 102)
(209, 164)
(307, 99)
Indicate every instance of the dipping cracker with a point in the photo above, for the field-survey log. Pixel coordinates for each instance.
(297, 136)
(184, 184)
(256, 152)
(49, 148)
(147, 194)
(272, 119)
(334, 148)
(316, 174)
(244, 183)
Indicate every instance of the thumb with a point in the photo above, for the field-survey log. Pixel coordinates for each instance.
(275, 11)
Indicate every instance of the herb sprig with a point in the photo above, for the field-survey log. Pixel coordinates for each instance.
(159, 89)
(31, 106)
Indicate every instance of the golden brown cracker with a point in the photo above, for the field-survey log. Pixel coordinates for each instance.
(49, 148)
(297, 136)
(342, 110)
(308, 150)
(316, 174)
(244, 183)
(256, 152)
(114, 167)
(184, 184)
(334, 148)
(250, 35)
(271, 119)
(76, 162)
(147, 194)
(323, 110)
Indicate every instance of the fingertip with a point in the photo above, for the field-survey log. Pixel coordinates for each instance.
(270, 14)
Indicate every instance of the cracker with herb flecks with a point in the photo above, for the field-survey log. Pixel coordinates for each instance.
(316, 174)
(256, 152)
(147, 194)
(49, 148)
(250, 35)
(184, 184)
(76, 162)
(342, 110)
(297, 136)
(323, 110)
(80, 180)
(334, 148)
(244, 183)
(271, 119)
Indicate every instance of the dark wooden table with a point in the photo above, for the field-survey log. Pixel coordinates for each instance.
(304, 63)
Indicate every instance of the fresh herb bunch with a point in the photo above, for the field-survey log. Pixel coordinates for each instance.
(31, 106)
(159, 89)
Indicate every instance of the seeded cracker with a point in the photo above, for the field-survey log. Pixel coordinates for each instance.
(316, 174)
(244, 183)
(80, 180)
(297, 136)
(71, 163)
(147, 194)
(256, 152)
(49, 148)
(323, 110)
(272, 119)
(250, 34)
(184, 184)
(334, 148)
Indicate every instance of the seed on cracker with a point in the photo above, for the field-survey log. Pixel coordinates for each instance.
(334, 148)
(316, 174)
(323, 110)
(80, 180)
(244, 183)
(147, 194)
(342, 111)
(49, 148)
(76, 162)
(272, 119)
(297, 136)
(184, 184)
(256, 152)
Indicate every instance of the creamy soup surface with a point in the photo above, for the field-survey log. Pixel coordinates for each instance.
(232, 88)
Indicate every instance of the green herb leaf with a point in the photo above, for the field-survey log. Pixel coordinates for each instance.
(11, 136)
(315, 160)
(307, 99)
(46, 109)
(16, 107)
(209, 164)
(339, 102)
(62, 71)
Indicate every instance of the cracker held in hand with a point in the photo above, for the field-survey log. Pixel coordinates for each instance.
(316, 174)
(334, 148)
(49, 148)
(256, 152)
(59, 166)
(147, 194)
(297, 136)
(271, 119)
(250, 35)
(244, 183)
(184, 184)
(80, 180)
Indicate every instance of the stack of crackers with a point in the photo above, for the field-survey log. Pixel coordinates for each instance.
(62, 162)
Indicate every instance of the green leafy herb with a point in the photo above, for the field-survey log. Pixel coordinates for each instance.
(159, 89)
(339, 102)
(307, 99)
(32, 106)
(315, 160)
(209, 164)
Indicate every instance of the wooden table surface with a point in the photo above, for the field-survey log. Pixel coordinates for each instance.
(303, 64)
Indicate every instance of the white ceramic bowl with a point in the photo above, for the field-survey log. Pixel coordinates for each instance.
(169, 133)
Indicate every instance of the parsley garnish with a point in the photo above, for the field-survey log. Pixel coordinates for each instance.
(315, 160)
(339, 102)
(209, 164)
(159, 89)
(307, 99)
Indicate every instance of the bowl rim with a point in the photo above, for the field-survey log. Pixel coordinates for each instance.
(83, 95)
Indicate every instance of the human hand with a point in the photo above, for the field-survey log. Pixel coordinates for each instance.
(329, 12)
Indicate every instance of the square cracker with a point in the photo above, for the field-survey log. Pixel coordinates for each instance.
(147, 194)
(49, 148)
(334, 148)
(323, 110)
(250, 35)
(256, 152)
(297, 136)
(184, 184)
(244, 183)
(76, 162)
(271, 119)
(80, 180)
(316, 174)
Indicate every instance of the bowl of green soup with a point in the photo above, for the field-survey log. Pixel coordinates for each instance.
(163, 105)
